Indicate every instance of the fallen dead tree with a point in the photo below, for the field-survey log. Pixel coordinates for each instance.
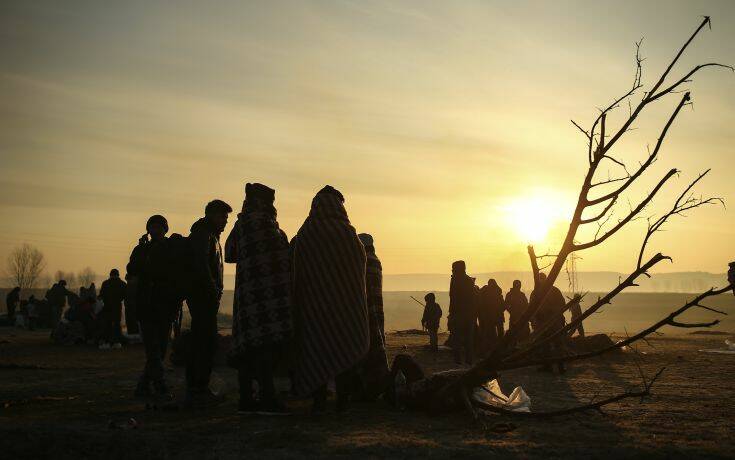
(597, 207)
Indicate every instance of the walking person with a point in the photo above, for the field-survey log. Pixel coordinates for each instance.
(203, 300)
(261, 314)
(330, 301)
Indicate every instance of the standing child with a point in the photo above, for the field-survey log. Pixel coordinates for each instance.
(430, 320)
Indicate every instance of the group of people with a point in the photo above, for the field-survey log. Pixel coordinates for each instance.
(312, 305)
(476, 319)
(91, 317)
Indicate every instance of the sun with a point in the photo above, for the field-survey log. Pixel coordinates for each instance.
(531, 218)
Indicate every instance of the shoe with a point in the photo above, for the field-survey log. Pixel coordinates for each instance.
(245, 407)
(273, 408)
(143, 390)
(116, 346)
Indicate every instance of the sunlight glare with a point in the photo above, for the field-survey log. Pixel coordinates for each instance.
(532, 217)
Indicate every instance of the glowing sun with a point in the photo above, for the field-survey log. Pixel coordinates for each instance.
(532, 217)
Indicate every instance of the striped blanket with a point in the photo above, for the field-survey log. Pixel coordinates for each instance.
(261, 313)
(329, 294)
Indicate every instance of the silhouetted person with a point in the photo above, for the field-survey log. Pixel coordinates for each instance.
(11, 303)
(56, 297)
(261, 314)
(112, 293)
(550, 319)
(374, 368)
(430, 320)
(330, 300)
(156, 303)
(463, 309)
(131, 306)
(203, 301)
(491, 308)
(32, 313)
(516, 303)
(575, 308)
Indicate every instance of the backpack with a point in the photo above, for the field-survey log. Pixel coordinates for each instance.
(181, 261)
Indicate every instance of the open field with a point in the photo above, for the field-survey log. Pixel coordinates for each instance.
(57, 402)
(630, 311)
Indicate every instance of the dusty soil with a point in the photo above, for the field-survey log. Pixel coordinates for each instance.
(58, 402)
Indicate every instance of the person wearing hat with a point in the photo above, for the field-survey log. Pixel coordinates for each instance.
(112, 294)
(156, 304)
(463, 312)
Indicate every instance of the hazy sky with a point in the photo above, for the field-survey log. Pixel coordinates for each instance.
(441, 122)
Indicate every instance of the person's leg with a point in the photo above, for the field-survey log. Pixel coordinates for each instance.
(153, 367)
(203, 344)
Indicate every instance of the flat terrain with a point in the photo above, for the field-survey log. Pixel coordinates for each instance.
(58, 402)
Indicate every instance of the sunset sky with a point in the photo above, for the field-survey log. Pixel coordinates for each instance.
(441, 122)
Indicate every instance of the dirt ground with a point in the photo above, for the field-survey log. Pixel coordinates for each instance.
(58, 402)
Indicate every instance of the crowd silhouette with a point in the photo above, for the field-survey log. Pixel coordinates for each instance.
(312, 305)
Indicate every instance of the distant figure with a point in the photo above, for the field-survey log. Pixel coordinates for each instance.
(491, 316)
(430, 320)
(131, 307)
(550, 319)
(112, 294)
(92, 292)
(12, 300)
(203, 301)
(261, 313)
(56, 297)
(731, 275)
(374, 368)
(463, 310)
(516, 303)
(330, 300)
(31, 313)
(575, 308)
(156, 303)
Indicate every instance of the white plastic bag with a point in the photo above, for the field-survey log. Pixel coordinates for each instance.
(492, 395)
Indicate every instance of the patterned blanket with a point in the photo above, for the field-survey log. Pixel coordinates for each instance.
(261, 314)
(329, 294)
